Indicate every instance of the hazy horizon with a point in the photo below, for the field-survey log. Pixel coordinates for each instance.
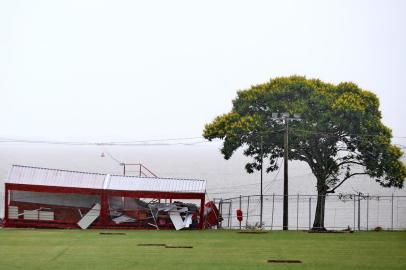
(108, 70)
(102, 71)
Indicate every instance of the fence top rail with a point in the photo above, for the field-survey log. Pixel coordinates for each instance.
(339, 196)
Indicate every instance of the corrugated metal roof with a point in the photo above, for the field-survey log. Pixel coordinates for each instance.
(64, 178)
(54, 177)
(156, 184)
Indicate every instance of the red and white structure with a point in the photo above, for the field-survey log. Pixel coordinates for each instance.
(53, 198)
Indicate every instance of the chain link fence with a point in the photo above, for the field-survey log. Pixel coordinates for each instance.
(357, 211)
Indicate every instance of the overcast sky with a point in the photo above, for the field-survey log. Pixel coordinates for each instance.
(114, 70)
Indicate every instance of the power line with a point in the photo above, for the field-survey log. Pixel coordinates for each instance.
(187, 141)
(347, 134)
(257, 183)
(151, 142)
(160, 140)
(275, 179)
(118, 143)
(271, 182)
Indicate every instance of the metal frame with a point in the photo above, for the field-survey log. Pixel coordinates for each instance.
(103, 221)
(369, 211)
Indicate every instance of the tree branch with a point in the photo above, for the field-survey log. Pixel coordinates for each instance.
(342, 181)
(342, 163)
(349, 162)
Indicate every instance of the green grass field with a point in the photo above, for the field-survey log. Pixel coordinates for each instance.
(212, 249)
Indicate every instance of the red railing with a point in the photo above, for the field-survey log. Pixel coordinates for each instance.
(140, 170)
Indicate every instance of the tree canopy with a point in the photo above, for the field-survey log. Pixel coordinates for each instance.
(341, 134)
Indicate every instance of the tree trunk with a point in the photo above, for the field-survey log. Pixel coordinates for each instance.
(318, 224)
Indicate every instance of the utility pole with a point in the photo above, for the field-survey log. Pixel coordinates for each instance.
(285, 117)
(262, 197)
(286, 177)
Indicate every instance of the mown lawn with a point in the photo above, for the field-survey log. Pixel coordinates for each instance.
(212, 249)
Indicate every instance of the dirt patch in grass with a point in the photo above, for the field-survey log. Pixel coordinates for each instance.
(163, 245)
(178, 246)
(152, 245)
(284, 261)
(113, 233)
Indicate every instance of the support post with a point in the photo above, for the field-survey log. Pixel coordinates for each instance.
(230, 206)
(221, 212)
(397, 212)
(379, 198)
(297, 212)
(273, 208)
(392, 214)
(285, 177)
(240, 209)
(104, 209)
(368, 212)
(248, 208)
(6, 203)
(262, 197)
(359, 211)
(310, 212)
(201, 224)
(354, 211)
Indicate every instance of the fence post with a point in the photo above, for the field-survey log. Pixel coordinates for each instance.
(240, 209)
(397, 212)
(273, 208)
(378, 198)
(354, 210)
(297, 212)
(392, 214)
(310, 211)
(368, 212)
(229, 214)
(221, 212)
(359, 211)
(248, 208)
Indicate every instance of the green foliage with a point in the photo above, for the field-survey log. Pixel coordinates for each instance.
(341, 134)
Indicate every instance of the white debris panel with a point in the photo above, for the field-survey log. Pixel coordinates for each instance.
(90, 217)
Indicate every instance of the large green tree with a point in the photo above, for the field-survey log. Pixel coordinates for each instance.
(340, 135)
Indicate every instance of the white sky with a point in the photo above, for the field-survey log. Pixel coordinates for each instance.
(113, 70)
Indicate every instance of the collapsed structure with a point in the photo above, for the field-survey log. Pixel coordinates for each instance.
(52, 198)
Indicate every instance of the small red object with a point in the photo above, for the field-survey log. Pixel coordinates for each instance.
(212, 214)
(239, 215)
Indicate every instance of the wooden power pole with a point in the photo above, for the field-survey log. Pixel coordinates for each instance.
(261, 196)
(285, 177)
